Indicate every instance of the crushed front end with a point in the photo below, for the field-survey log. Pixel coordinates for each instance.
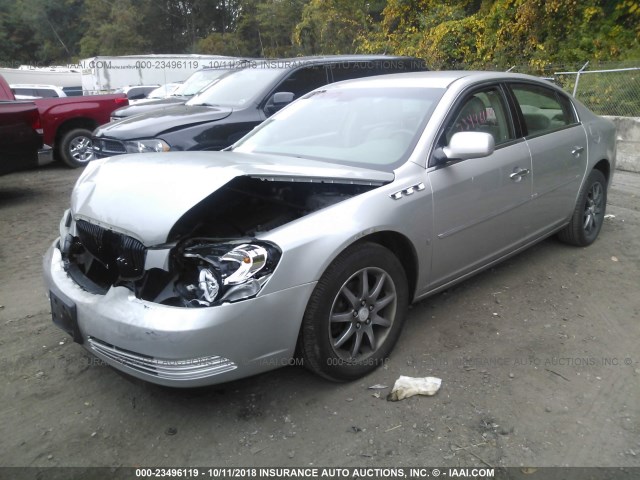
(189, 310)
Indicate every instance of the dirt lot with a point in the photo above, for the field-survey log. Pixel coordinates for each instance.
(539, 359)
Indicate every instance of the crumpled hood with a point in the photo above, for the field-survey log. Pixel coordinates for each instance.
(157, 121)
(144, 195)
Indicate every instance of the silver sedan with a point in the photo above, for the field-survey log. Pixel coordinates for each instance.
(310, 237)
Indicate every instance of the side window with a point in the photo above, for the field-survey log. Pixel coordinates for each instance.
(544, 110)
(304, 80)
(483, 111)
(46, 93)
(24, 91)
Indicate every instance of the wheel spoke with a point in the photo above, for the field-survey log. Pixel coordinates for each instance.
(356, 345)
(377, 288)
(346, 335)
(342, 317)
(383, 302)
(597, 194)
(378, 320)
(587, 222)
(371, 337)
(348, 294)
(364, 284)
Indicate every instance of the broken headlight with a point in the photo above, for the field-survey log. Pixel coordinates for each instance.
(227, 272)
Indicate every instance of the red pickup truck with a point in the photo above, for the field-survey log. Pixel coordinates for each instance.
(20, 136)
(67, 122)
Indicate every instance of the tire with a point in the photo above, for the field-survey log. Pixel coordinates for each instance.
(366, 322)
(588, 215)
(76, 148)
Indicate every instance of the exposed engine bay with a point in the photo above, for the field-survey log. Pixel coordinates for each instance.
(214, 255)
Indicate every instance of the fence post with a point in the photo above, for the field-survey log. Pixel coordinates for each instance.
(575, 87)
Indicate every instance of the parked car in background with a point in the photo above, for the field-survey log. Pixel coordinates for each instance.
(73, 91)
(238, 101)
(192, 85)
(67, 122)
(315, 232)
(25, 91)
(162, 91)
(20, 136)
(136, 92)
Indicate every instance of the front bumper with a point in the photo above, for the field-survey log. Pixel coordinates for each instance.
(182, 347)
(45, 155)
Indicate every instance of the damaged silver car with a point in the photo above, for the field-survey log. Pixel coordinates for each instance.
(312, 235)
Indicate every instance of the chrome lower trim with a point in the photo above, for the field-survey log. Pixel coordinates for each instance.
(178, 369)
(45, 155)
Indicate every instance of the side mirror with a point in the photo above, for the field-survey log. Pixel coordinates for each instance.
(278, 101)
(465, 145)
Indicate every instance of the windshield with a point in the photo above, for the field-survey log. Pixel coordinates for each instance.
(197, 82)
(237, 88)
(164, 90)
(367, 127)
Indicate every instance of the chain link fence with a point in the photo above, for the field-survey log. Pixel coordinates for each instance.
(607, 89)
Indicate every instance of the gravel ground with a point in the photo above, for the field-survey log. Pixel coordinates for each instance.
(539, 361)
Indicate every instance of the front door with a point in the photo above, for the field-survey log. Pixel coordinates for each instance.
(480, 204)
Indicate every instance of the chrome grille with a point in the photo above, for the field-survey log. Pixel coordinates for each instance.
(178, 369)
(117, 252)
(106, 146)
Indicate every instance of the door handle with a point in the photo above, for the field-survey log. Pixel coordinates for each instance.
(577, 151)
(518, 173)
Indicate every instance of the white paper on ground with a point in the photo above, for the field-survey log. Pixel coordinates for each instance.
(410, 386)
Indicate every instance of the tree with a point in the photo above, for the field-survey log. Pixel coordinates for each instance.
(502, 33)
(17, 42)
(119, 31)
(263, 28)
(333, 26)
(40, 31)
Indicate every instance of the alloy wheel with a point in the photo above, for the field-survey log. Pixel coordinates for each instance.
(362, 314)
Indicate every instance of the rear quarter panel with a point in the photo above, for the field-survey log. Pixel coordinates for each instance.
(601, 137)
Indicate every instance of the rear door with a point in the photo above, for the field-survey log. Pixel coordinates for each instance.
(558, 144)
(480, 204)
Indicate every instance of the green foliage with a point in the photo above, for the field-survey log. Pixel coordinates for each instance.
(446, 33)
(263, 29)
(118, 36)
(506, 32)
(40, 31)
(332, 26)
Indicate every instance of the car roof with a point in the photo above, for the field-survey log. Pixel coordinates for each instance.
(293, 62)
(33, 85)
(435, 79)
